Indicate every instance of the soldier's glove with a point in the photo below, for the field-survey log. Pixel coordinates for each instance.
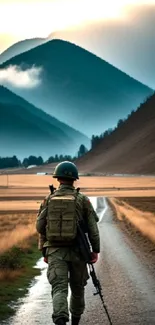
(45, 259)
(44, 254)
(94, 257)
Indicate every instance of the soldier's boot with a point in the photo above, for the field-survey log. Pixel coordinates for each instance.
(61, 321)
(75, 320)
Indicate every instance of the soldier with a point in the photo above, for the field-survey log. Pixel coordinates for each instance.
(56, 224)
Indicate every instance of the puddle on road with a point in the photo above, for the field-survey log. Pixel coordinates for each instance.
(36, 306)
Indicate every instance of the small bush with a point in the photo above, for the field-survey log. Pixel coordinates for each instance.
(11, 259)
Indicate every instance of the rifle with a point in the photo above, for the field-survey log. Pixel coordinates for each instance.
(86, 254)
(52, 188)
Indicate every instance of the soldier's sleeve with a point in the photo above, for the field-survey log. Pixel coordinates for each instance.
(41, 217)
(92, 219)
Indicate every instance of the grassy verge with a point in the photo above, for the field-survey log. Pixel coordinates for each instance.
(16, 273)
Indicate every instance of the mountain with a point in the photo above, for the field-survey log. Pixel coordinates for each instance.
(128, 149)
(20, 47)
(128, 44)
(77, 87)
(26, 130)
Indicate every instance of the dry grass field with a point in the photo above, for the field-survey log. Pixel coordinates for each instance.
(41, 181)
(143, 204)
(16, 228)
(17, 236)
(25, 192)
(138, 212)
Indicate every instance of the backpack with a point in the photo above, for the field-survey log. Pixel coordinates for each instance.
(61, 217)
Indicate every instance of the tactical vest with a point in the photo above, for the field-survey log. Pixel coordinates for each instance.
(61, 217)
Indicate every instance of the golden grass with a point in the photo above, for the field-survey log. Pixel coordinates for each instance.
(26, 187)
(15, 228)
(9, 275)
(101, 181)
(20, 205)
(144, 221)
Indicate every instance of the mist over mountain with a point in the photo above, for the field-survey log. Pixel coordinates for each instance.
(21, 47)
(26, 130)
(128, 149)
(77, 87)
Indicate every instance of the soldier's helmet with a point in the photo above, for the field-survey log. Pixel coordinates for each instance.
(66, 169)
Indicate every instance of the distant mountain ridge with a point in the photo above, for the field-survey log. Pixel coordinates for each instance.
(128, 149)
(26, 130)
(21, 47)
(79, 88)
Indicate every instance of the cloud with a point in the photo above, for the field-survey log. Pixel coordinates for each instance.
(13, 75)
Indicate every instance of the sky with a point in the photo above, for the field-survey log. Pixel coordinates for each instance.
(20, 19)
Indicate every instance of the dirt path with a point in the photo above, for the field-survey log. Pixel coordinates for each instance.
(126, 274)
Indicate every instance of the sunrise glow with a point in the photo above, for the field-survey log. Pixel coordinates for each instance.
(39, 18)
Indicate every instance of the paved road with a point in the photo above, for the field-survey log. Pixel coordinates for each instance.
(126, 273)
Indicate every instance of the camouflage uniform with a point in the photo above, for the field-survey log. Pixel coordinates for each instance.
(64, 260)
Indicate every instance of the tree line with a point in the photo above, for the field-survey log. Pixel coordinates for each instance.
(14, 162)
(96, 139)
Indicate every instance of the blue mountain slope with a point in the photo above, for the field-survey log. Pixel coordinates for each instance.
(79, 88)
(25, 130)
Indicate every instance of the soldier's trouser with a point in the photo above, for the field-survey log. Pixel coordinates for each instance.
(62, 270)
